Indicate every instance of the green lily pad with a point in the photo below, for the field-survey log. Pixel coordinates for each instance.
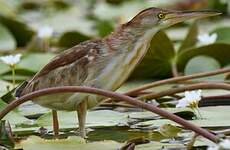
(220, 52)
(223, 34)
(6, 9)
(21, 31)
(13, 117)
(217, 116)
(104, 27)
(158, 145)
(34, 62)
(4, 68)
(100, 118)
(4, 87)
(7, 41)
(70, 39)
(203, 64)
(76, 143)
(158, 60)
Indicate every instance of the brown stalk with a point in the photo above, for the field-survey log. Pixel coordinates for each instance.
(110, 94)
(186, 88)
(176, 79)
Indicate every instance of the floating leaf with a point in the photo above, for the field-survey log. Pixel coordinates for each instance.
(203, 64)
(13, 117)
(158, 146)
(4, 87)
(7, 41)
(34, 62)
(100, 118)
(217, 116)
(220, 52)
(76, 143)
(104, 27)
(169, 130)
(70, 39)
(21, 31)
(6, 9)
(157, 61)
(223, 34)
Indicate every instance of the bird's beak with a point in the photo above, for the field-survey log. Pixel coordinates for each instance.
(180, 16)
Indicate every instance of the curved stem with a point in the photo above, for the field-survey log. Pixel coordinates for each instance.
(186, 88)
(176, 79)
(128, 99)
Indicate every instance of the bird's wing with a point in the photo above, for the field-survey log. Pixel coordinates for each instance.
(59, 71)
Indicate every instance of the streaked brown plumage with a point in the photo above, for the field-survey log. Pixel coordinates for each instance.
(105, 63)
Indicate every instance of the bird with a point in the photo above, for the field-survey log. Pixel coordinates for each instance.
(104, 63)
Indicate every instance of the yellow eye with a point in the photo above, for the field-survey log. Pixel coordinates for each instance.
(161, 16)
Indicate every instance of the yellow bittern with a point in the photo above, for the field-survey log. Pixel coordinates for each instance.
(103, 63)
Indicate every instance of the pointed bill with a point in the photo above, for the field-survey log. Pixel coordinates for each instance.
(180, 16)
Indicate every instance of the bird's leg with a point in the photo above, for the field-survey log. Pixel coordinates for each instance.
(81, 113)
(55, 123)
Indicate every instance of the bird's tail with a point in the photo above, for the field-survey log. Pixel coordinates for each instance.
(20, 89)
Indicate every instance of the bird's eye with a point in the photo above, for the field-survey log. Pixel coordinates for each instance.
(161, 16)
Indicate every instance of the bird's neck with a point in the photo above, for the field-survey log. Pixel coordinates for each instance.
(126, 38)
(128, 47)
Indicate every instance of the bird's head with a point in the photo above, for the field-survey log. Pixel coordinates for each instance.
(162, 18)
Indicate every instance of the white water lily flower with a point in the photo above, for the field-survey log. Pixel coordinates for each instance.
(206, 39)
(11, 60)
(45, 32)
(191, 99)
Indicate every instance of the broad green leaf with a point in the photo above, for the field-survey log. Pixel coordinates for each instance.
(68, 21)
(34, 62)
(190, 39)
(21, 31)
(220, 52)
(4, 68)
(100, 118)
(13, 117)
(5, 9)
(71, 143)
(157, 61)
(4, 86)
(104, 27)
(200, 64)
(223, 34)
(158, 146)
(70, 39)
(217, 116)
(169, 130)
(7, 41)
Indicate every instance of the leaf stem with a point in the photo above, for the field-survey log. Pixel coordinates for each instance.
(186, 88)
(13, 75)
(176, 79)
